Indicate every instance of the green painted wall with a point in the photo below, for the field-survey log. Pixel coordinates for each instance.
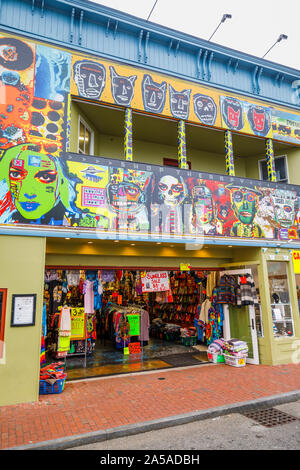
(21, 272)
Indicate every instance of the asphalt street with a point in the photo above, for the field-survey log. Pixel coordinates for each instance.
(230, 432)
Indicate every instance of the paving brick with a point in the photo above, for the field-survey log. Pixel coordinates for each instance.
(98, 404)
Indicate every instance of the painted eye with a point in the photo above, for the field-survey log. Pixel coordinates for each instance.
(131, 191)
(177, 187)
(46, 176)
(287, 209)
(250, 197)
(163, 187)
(16, 174)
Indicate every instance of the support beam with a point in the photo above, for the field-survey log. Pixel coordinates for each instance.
(270, 160)
(230, 170)
(128, 134)
(181, 139)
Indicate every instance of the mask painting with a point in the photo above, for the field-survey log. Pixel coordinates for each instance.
(259, 120)
(232, 113)
(122, 88)
(179, 103)
(205, 109)
(90, 78)
(154, 94)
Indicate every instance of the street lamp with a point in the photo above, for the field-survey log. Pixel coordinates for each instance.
(282, 36)
(224, 18)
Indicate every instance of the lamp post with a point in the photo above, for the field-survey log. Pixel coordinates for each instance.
(224, 18)
(282, 36)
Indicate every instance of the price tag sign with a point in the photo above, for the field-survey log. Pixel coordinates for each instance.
(78, 324)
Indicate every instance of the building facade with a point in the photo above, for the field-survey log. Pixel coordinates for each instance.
(129, 146)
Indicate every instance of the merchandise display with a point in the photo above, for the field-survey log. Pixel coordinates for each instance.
(107, 316)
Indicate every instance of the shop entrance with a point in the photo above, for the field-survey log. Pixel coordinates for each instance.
(128, 320)
(107, 321)
(239, 318)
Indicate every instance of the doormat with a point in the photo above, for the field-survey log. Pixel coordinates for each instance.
(182, 360)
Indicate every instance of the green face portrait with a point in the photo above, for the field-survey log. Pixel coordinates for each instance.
(33, 181)
(244, 203)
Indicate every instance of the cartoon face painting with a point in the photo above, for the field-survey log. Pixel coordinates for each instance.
(244, 202)
(202, 204)
(122, 88)
(154, 94)
(90, 78)
(259, 120)
(284, 203)
(179, 103)
(205, 109)
(33, 182)
(232, 113)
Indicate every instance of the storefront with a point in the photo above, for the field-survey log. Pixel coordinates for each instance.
(136, 225)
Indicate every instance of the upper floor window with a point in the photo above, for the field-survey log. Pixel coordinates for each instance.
(280, 168)
(85, 138)
(174, 162)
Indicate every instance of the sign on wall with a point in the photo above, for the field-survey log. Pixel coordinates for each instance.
(155, 281)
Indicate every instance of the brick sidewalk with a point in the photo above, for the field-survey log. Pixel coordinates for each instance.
(107, 403)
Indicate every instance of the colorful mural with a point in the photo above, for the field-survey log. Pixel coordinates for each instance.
(43, 185)
(144, 200)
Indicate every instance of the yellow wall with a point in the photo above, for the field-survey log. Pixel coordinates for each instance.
(21, 272)
(111, 146)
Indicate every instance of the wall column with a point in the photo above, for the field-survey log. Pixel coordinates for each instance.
(128, 154)
(270, 160)
(181, 139)
(230, 170)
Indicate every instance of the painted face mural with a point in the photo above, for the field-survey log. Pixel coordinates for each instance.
(259, 120)
(232, 113)
(285, 204)
(202, 204)
(244, 203)
(179, 103)
(126, 190)
(154, 94)
(122, 88)
(90, 78)
(205, 109)
(35, 184)
(171, 191)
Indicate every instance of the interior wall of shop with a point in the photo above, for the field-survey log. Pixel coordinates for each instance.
(112, 146)
(21, 272)
(272, 351)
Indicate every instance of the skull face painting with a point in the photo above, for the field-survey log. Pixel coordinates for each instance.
(179, 103)
(171, 191)
(205, 109)
(259, 120)
(154, 94)
(122, 88)
(232, 113)
(284, 203)
(90, 78)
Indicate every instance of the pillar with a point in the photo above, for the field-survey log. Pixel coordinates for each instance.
(229, 154)
(181, 139)
(128, 135)
(270, 160)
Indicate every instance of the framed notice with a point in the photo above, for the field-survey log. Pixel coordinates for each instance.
(23, 310)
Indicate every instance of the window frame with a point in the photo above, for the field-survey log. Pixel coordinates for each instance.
(86, 126)
(285, 165)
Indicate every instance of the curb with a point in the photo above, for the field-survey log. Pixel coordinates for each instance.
(129, 430)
